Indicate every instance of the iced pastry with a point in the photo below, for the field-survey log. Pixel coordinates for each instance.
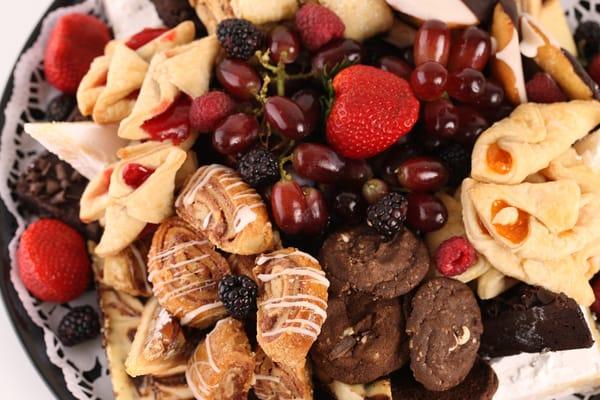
(278, 382)
(127, 271)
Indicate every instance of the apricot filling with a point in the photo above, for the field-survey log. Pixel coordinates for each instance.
(499, 161)
(515, 232)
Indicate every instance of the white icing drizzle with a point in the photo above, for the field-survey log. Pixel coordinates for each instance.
(511, 56)
(202, 180)
(180, 264)
(236, 184)
(269, 378)
(206, 220)
(291, 329)
(189, 288)
(178, 247)
(263, 258)
(298, 304)
(244, 216)
(190, 316)
(318, 276)
(211, 361)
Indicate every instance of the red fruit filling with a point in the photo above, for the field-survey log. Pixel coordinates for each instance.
(135, 175)
(455, 256)
(173, 124)
(143, 37)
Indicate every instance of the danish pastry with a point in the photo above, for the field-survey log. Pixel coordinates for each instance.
(277, 382)
(185, 270)
(127, 271)
(218, 203)
(222, 366)
(292, 304)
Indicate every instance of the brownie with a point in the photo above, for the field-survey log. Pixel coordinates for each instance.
(174, 12)
(361, 340)
(359, 259)
(444, 327)
(480, 384)
(532, 319)
(52, 188)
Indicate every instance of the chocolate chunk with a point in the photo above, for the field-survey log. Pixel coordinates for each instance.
(359, 259)
(532, 319)
(480, 384)
(444, 329)
(481, 8)
(174, 12)
(582, 74)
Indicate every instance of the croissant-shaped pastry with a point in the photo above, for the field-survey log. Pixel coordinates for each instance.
(277, 382)
(217, 202)
(109, 89)
(222, 366)
(127, 271)
(363, 19)
(185, 271)
(159, 346)
(530, 138)
(292, 304)
(173, 77)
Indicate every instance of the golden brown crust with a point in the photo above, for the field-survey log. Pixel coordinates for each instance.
(127, 271)
(277, 382)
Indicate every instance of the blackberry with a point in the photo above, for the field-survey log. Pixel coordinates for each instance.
(60, 108)
(238, 294)
(259, 167)
(387, 216)
(587, 37)
(239, 38)
(458, 162)
(79, 325)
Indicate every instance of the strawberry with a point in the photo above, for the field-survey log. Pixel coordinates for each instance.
(371, 110)
(53, 261)
(593, 69)
(208, 110)
(318, 25)
(74, 43)
(542, 88)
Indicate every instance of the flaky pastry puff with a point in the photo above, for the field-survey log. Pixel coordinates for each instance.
(277, 382)
(222, 366)
(292, 304)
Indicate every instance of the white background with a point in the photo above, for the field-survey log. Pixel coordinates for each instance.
(19, 379)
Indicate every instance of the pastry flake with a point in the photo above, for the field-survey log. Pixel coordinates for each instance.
(277, 382)
(292, 304)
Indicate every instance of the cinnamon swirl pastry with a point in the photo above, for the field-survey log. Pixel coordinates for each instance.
(222, 366)
(277, 382)
(217, 202)
(292, 304)
(185, 270)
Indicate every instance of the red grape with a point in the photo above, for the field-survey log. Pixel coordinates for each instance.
(317, 162)
(471, 49)
(238, 78)
(396, 156)
(441, 118)
(466, 85)
(492, 96)
(374, 189)
(432, 43)
(472, 124)
(289, 206)
(335, 52)
(286, 117)
(428, 80)
(355, 173)
(308, 101)
(349, 207)
(317, 215)
(396, 66)
(284, 44)
(424, 174)
(426, 213)
(235, 134)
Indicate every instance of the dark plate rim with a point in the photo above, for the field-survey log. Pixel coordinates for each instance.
(30, 335)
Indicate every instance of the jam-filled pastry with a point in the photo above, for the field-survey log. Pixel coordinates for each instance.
(539, 45)
(278, 382)
(127, 271)
(109, 89)
(174, 76)
(530, 138)
(543, 234)
(222, 366)
(185, 271)
(159, 346)
(292, 304)
(140, 191)
(506, 63)
(363, 19)
(218, 203)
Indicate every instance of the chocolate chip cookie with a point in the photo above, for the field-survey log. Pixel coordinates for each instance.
(445, 328)
(360, 259)
(361, 340)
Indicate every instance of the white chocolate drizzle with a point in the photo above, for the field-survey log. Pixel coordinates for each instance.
(190, 316)
(263, 258)
(511, 56)
(318, 276)
(178, 247)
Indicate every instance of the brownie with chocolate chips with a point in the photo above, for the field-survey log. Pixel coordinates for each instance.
(174, 12)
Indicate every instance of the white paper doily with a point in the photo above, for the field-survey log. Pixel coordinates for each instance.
(84, 366)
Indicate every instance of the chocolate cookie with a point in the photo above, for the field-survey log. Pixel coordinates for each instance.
(359, 259)
(480, 384)
(361, 340)
(445, 329)
(174, 12)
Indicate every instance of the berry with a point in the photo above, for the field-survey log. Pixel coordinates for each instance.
(79, 325)
(542, 88)
(587, 37)
(429, 81)
(337, 54)
(239, 38)
(259, 167)
(286, 117)
(371, 110)
(60, 107)
(387, 216)
(235, 134)
(595, 307)
(454, 256)
(426, 213)
(457, 161)
(318, 26)
(432, 43)
(53, 261)
(374, 189)
(317, 162)
(594, 69)
(422, 173)
(73, 44)
(238, 78)
(471, 49)
(238, 294)
(208, 110)
(284, 44)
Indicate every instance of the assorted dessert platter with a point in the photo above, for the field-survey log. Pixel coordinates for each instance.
(334, 199)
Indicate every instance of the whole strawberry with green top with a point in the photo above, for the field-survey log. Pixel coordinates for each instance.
(371, 110)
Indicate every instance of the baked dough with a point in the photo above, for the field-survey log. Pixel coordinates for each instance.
(363, 18)
(278, 382)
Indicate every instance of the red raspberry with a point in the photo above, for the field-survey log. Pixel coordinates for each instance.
(208, 110)
(594, 69)
(318, 25)
(596, 288)
(53, 261)
(542, 88)
(455, 256)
